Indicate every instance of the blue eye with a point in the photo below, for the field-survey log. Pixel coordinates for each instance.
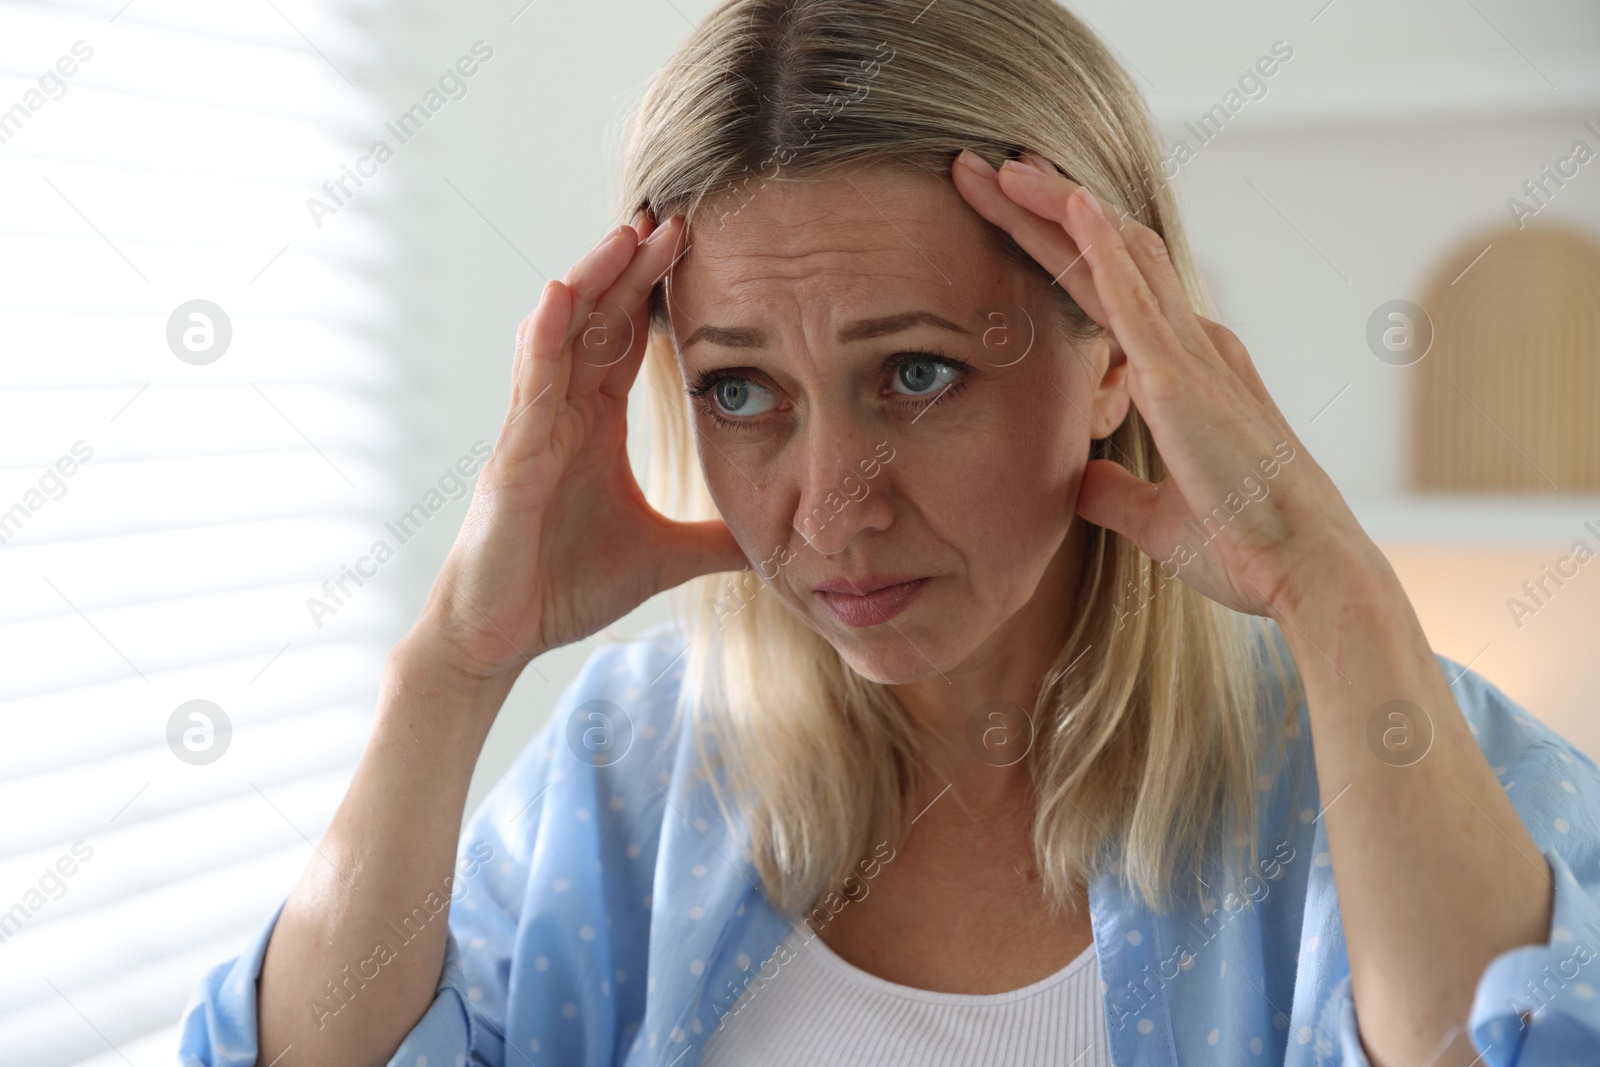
(741, 398)
(919, 377)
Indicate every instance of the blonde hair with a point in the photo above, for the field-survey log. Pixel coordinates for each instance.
(1146, 743)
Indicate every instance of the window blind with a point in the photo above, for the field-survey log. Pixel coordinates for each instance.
(176, 479)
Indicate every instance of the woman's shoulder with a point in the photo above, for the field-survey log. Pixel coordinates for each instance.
(641, 675)
(624, 700)
(594, 867)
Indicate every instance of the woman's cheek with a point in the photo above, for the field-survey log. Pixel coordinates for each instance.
(1013, 489)
(738, 509)
(961, 485)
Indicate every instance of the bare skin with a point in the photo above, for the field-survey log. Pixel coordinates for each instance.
(982, 499)
(959, 909)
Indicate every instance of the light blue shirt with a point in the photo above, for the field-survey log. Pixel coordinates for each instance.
(604, 913)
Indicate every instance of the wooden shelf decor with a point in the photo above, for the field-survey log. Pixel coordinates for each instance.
(1508, 398)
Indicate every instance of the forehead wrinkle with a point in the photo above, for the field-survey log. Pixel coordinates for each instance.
(789, 262)
(804, 252)
(835, 276)
(808, 299)
(889, 257)
(771, 236)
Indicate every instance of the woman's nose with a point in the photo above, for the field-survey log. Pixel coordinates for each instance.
(843, 491)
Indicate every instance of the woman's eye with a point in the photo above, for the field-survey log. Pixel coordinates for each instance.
(919, 377)
(741, 398)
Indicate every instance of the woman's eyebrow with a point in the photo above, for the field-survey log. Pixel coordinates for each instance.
(865, 328)
(862, 329)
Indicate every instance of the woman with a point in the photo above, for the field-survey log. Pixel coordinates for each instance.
(963, 750)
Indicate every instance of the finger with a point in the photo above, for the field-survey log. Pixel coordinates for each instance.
(1113, 497)
(1046, 241)
(1150, 252)
(592, 274)
(1049, 195)
(644, 223)
(659, 252)
(1237, 359)
(521, 348)
(542, 372)
(610, 328)
(696, 548)
(1148, 248)
(595, 273)
(1132, 312)
(620, 378)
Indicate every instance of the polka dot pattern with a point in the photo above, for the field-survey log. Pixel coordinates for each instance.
(640, 852)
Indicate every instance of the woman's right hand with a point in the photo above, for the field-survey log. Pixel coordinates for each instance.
(559, 540)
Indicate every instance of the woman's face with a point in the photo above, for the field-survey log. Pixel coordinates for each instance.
(888, 418)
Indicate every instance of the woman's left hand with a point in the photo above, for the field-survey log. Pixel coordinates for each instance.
(1239, 480)
(1475, 884)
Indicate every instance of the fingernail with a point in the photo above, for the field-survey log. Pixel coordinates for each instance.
(1040, 163)
(975, 163)
(608, 238)
(1092, 201)
(1017, 164)
(658, 231)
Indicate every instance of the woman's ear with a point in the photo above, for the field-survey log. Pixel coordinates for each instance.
(1111, 399)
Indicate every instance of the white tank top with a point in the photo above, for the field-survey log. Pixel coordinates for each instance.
(819, 1009)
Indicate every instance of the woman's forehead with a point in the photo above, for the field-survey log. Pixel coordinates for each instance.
(875, 232)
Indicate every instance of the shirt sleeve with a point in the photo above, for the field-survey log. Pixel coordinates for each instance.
(219, 1025)
(1535, 1005)
(465, 1023)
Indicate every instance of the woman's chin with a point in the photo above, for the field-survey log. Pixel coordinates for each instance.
(889, 653)
(886, 657)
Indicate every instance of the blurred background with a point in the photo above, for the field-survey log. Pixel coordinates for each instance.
(226, 379)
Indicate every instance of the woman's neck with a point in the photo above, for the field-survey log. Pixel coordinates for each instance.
(998, 685)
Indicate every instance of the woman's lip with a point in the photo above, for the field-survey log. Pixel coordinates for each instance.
(862, 586)
(870, 609)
